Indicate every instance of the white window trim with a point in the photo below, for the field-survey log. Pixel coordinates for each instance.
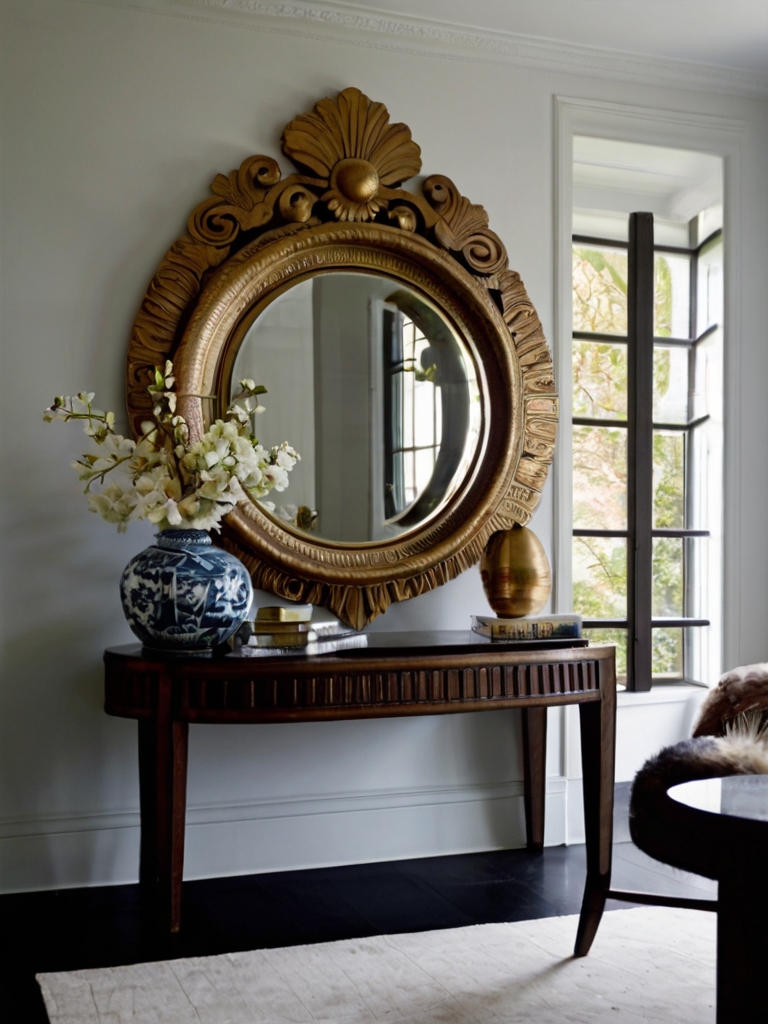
(706, 133)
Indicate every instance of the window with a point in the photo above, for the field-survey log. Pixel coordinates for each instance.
(647, 444)
(413, 412)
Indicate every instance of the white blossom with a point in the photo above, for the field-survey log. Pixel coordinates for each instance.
(164, 477)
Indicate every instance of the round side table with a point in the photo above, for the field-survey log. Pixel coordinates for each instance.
(718, 827)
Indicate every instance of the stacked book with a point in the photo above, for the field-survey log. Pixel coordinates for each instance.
(290, 630)
(535, 627)
(282, 627)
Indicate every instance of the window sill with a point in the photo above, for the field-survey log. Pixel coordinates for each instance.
(662, 693)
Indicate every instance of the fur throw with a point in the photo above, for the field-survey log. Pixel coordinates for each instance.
(707, 757)
(669, 831)
(738, 703)
(730, 738)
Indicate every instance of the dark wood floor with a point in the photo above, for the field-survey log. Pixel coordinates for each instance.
(100, 927)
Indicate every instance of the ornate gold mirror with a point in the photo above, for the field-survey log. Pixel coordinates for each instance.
(402, 358)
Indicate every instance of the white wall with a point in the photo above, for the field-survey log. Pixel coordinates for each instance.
(342, 321)
(278, 351)
(116, 119)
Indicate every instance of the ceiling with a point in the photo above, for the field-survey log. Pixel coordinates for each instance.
(674, 184)
(729, 33)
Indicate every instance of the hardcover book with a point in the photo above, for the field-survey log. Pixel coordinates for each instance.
(536, 627)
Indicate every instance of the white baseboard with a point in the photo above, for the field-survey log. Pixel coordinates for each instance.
(278, 835)
(333, 829)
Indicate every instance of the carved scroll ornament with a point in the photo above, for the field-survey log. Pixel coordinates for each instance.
(344, 207)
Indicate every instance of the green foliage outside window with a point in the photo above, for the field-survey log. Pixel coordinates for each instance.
(617, 637)
(599, 457)
(662, 298)
(600, 290)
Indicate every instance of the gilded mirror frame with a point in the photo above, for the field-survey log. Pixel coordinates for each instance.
(257, 234)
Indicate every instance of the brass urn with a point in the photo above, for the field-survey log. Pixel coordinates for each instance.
(515, 572)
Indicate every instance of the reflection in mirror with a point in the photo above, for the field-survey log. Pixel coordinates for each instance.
(373, 387)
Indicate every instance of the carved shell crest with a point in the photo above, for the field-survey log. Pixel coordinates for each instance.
(350, 144)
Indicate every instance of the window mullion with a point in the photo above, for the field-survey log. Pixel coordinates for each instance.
(640, 288)
(690, 468)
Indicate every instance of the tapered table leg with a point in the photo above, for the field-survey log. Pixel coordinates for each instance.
(163, 795)
(535, 768)
(598, 751)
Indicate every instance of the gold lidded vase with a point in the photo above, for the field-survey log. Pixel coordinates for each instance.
(515, 572)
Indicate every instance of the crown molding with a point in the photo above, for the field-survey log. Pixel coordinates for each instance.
(318, 19)
(396, 32)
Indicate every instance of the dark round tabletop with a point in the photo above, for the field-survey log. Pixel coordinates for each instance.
(736, 796)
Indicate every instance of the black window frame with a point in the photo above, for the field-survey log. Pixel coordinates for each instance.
(639, 424)
(395, 365)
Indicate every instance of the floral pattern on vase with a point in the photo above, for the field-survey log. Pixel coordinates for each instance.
(184, 594)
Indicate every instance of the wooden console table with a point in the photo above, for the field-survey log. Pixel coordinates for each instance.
(398, 674)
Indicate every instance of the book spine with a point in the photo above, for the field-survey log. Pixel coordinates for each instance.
(541, 630)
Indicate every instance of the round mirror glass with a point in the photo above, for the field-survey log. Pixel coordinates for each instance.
(377, 393)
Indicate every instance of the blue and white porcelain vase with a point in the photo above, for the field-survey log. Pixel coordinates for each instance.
(184, 594)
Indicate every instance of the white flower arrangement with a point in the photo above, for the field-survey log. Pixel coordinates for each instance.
(163, 477)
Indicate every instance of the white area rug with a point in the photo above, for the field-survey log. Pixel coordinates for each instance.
(650, 965)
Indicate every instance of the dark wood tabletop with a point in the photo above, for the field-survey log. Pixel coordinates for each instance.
(396, 674)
